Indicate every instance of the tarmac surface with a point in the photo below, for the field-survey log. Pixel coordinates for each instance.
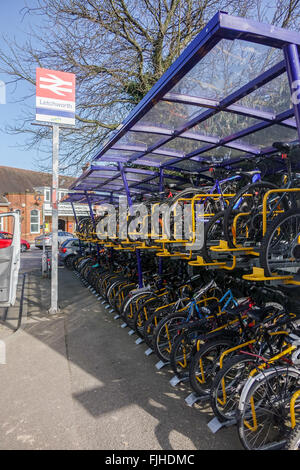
(77, 380)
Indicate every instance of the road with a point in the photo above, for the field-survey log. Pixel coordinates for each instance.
(31, 260)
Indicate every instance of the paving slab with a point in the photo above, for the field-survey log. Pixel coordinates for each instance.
(78, 381)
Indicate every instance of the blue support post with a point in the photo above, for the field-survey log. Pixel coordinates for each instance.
(161, 194)
(291, 55)
(76, 222)
(93, 219)
(130, 204)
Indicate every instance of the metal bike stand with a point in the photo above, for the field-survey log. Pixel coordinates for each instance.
(131, 332)
(124, 325)
(193, 398)
(148, 352)
(215, 425)
(159, 365)
(176, 380)
(139, 341)
(116, 317)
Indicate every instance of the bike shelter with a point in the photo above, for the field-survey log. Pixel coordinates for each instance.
(230, 94)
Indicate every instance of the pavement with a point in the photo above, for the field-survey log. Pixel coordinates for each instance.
(77, 380)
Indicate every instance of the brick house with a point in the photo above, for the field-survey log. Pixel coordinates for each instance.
(30, 192)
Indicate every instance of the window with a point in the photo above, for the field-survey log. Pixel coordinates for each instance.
(1, 224)
(34, 221)
(47, 195)
(62, 194)
(6, 236)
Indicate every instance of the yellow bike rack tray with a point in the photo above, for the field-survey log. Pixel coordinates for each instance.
(258, 274)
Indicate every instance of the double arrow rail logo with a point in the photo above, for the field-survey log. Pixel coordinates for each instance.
(56, 85)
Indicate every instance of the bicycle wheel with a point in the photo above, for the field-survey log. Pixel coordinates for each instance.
(165, 333)
(249, 201)
(183, 349)
(293, 441)
(213, 233)
(121, 296)
(228, 384)
(150, 325)
(113, 289)
(205, 364)
(281, 244)
(131, 306)
(142, 315)
(264, 409)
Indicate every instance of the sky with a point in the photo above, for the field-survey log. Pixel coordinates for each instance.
(11, 25)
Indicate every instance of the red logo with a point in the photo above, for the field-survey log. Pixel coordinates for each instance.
(54, 84)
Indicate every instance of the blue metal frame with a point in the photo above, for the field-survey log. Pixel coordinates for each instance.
(221, 26)
(130, 204)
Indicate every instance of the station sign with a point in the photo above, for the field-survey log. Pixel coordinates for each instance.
(55, 96)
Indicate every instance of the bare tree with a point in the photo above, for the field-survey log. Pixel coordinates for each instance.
(118, 49)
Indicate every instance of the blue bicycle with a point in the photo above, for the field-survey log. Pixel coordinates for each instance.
(205, 318)
(184, 343)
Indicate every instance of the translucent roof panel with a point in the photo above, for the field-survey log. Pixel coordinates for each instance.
(227, 67)
(140, 138)
(226, 98)
(273, 97)
(170, 114)
(265, 137)
(223, 123)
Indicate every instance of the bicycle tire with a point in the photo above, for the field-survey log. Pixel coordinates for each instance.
(230, 212)
(266, 242)
(209, 368)
(266, 397)
(227, 410)
(160, 350)
(293, 441)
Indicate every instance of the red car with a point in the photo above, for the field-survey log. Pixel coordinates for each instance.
(6, 238)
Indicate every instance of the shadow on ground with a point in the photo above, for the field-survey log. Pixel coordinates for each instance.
(120, 400)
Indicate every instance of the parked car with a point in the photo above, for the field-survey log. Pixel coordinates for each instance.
(6, 238)
(68, 249)
(62, 236)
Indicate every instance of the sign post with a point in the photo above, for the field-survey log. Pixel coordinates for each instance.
(54, 261)
(55, 103)
(44, 261)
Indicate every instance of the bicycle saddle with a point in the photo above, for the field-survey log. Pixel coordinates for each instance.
(257, 314)
(212, 308)
(282, 146)
(235, 311)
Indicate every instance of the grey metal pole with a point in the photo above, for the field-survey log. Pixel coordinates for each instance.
(54, 263)
(44, 245)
